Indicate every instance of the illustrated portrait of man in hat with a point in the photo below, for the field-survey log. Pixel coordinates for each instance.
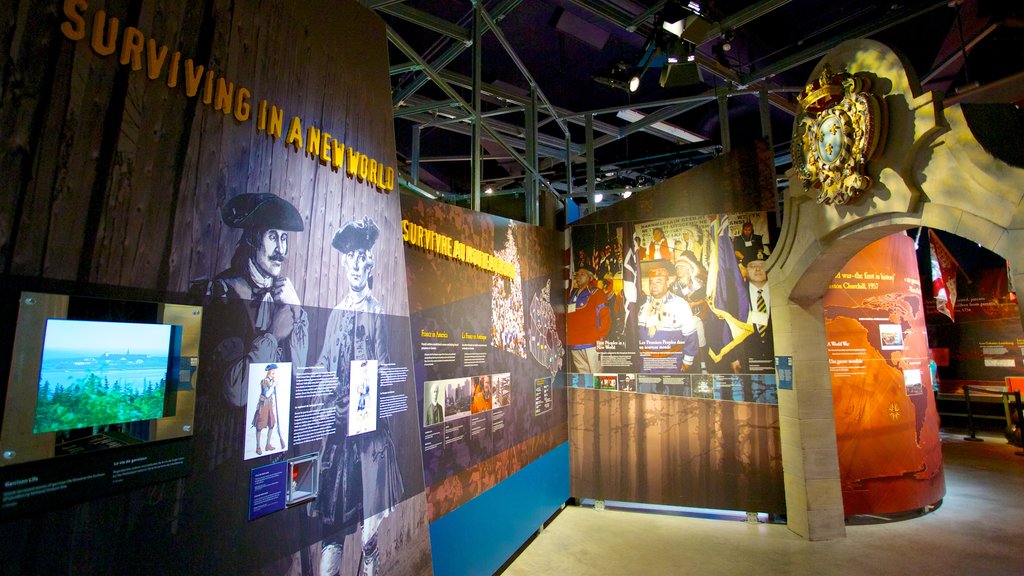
(668, 332)
(360, 477)
(253, 310)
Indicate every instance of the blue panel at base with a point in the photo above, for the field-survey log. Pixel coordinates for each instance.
(479, 536)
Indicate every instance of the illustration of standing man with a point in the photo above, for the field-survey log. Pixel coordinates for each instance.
(253, 310)
(266, 410)
(360, 478)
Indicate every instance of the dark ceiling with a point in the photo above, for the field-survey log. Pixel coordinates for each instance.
(564, 45)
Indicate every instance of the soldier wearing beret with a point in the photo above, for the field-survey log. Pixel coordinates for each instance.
(668, 332)
(253, 308)
(360, 478)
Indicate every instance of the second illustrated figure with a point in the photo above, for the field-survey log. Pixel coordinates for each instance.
(360, 481)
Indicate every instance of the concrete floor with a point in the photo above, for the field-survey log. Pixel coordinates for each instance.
(978, 529)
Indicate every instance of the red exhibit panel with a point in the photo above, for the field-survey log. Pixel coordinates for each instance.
(887, 427)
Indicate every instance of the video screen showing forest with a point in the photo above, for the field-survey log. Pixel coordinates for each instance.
(98, 373)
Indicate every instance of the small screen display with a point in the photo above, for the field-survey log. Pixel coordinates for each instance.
(99, 373)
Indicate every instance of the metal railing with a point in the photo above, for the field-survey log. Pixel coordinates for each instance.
(1005, 395)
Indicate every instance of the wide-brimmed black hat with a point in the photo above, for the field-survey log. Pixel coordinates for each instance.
(356, 235)
(262, 211)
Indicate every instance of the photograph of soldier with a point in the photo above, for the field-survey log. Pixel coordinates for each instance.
(265, 417)
(667, 330)
(758, 349)
(607, 264)
(360, 479)
(749, 246)
(587, 321)
(253, 313)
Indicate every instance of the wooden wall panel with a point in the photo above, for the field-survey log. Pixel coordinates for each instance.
(117, 179)
(675, 451)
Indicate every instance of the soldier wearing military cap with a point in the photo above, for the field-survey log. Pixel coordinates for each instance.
(668, 332)
(588, 320)
(360, 478)
(255, 311)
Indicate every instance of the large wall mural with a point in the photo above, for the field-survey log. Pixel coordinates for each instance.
(219, 154)
(673, 391)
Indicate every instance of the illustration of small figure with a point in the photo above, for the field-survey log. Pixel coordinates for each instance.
(266, 409)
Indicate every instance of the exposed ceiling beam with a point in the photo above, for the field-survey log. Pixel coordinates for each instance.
(958, 55)
(810, 53)
(500, 36)
(619, 17)
(425, 106)
(742, 17)
(658, 116)
(377, 4)
(1009, 90)
(513, 135)
(505, 95)
(428, 21)
(450, 53)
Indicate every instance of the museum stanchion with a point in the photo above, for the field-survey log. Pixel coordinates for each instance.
(1020, 423)
(970, 416)
(1014, 434)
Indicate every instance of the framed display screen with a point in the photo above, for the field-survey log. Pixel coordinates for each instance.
(95, 373)
(90, 374)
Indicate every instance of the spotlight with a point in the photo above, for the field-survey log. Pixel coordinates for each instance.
(618, 75)
(727, 38)
(598, 198)
(489, 190)
(634, 83)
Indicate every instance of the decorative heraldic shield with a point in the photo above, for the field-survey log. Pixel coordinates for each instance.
(840, 127)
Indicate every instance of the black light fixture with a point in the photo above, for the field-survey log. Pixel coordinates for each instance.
(618, 75)
(634, 82)
(676, 32)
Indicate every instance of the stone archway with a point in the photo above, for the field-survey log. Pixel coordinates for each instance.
(933, 172)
